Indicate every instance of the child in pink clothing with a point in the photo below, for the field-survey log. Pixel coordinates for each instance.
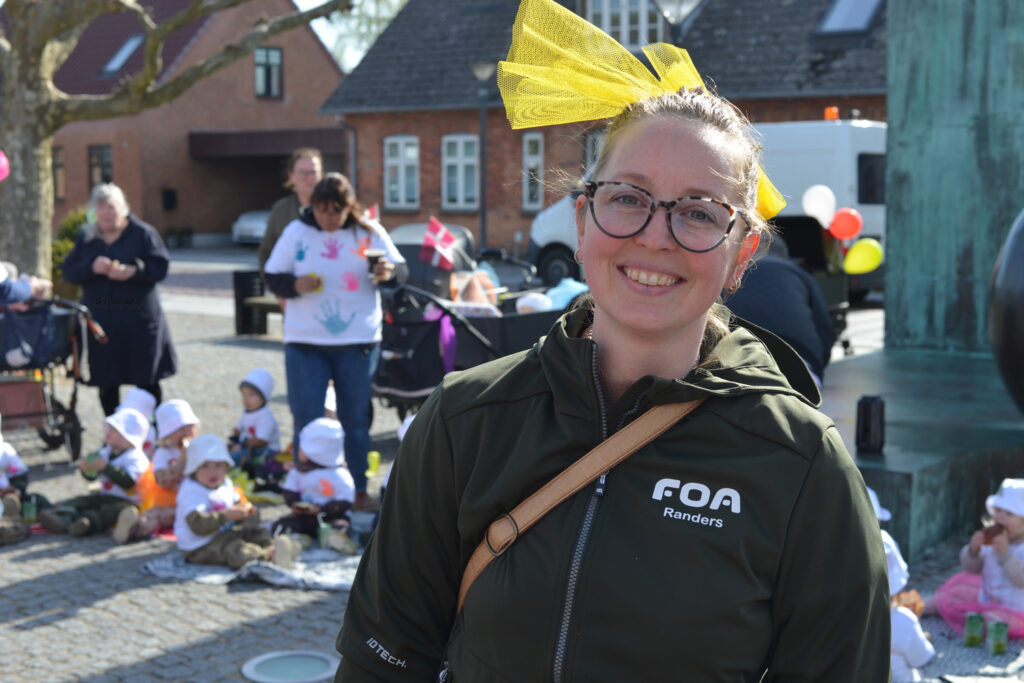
(992, 581)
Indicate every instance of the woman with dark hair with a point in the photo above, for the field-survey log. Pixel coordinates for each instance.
(118, 260)
(332, 323)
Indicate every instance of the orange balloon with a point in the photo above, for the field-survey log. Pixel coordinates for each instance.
(846, 224)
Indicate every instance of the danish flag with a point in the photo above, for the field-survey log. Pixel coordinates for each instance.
(373, 212)
(437, 246)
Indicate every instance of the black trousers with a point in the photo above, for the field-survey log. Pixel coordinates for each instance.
(110, 396)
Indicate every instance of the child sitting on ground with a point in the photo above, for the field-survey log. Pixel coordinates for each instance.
(13, 482)
(212, 523)
(992, 582)
(910, 647)
(319, 484)
(256, 438)
(176, 426)
(119, 465)
(145, 403)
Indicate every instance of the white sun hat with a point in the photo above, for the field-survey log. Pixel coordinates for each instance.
(206, 448)
(322, 442)
(1009, 497)
(260, 380)
(131, 424)
(141, 400)
(881, 513)
(173, 415)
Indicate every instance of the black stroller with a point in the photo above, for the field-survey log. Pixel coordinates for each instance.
(37, 344)
(426, 334)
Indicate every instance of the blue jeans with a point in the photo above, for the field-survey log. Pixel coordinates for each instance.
(309, 367)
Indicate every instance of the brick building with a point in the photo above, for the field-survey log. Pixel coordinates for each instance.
(416, 110)
(219, 148)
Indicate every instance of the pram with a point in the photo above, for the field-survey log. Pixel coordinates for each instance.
(426, 334)
(37, 342)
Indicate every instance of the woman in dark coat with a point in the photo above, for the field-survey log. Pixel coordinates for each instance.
(118, 260)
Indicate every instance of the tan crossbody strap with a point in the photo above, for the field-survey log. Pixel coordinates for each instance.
(503, 531)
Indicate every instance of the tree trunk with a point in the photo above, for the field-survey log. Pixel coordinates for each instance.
(26, 195)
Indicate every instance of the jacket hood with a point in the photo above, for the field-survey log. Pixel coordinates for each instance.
(747, 360)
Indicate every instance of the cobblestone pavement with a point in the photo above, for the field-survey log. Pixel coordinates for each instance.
(83, 609)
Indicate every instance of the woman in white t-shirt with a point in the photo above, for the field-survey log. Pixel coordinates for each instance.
(332, 323)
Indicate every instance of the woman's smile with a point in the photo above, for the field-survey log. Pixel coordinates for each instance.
(647, 277)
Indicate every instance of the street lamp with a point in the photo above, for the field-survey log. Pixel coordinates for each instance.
(483, 71)
(675, 13)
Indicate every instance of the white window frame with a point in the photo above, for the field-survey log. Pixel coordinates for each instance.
(461, 161)
(612, 17)
(530, 162)
(401, 166)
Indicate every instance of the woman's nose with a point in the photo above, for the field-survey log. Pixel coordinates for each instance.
(657, 234)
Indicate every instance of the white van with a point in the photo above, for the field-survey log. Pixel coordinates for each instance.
(848, 156)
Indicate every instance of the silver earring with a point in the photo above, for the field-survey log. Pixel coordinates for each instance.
(577, 257)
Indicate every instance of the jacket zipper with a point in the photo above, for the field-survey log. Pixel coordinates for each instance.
(584, 535)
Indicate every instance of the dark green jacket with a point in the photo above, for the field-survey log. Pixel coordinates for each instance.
(740, 541)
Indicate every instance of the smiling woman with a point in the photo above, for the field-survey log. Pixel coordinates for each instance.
(747, 517)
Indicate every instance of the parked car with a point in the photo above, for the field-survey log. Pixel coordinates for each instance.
(250, 226)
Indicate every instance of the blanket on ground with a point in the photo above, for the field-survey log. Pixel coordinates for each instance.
(316, 569)
(954, 660)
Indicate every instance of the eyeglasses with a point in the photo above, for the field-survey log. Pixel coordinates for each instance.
(622, 210)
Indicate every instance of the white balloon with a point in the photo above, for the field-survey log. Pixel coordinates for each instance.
(819, 202)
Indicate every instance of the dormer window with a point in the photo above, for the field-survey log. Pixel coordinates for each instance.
(122, 55)
(849, 16)
(634, 23)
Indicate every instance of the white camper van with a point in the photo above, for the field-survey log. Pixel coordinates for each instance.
(848, 156)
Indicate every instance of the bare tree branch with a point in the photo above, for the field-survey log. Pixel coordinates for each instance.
(130, 101)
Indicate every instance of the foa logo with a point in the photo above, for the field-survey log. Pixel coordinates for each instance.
(696, 495)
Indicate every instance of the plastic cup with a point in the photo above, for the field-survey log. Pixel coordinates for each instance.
(974, 629)
(28, 510)
(373, 463)
(997, 637)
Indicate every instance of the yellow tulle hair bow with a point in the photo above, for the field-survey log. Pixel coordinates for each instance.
(563, 69)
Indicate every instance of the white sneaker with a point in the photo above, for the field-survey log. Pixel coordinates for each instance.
(125, 519)
(286, 549)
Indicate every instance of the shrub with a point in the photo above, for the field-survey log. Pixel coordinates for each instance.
(63, 243)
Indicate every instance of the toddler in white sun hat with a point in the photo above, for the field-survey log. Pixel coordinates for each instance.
(214, 523)
(319, 485)
(144, 402)
(119, 465)
(176, 426)
(910, 647)
(256, 438)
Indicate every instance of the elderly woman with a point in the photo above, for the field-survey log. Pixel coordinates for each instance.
(738, 544)
(333, 320)
(118, 260)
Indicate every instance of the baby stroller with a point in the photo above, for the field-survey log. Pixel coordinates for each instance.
(426, 334)
(38, 343)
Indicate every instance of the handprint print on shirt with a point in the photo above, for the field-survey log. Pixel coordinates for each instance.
(364, 244)
(332, 247)
(332, 321)
(351, 281)
(326, 488)
(300, 251)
